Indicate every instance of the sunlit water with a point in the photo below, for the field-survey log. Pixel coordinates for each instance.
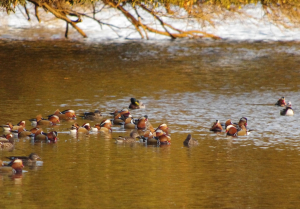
(187, 85)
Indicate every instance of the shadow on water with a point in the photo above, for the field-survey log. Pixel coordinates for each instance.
(186, 84)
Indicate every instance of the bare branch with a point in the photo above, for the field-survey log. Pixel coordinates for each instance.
(129, 16)
(27, 13)
(59, 15)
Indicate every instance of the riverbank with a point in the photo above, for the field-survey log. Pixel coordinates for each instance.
(16, 26)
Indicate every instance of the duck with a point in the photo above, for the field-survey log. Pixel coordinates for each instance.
(27, 160)
(281, 102)
(164, 127)
(131, 139)
(40, 121)
(7, 142)
(242, 121)
(148, 137)
(232, 130)
(129, 123)
(85, 128)
(144, 124)
(228, 122)
(136, 104)
(119, 116)
(95, 128)
(15, 166)
(242, 131)
(49, 137)
(93, 115)
(164, 139)
(6, 137)
(22, 132)
(64, 115)
(216, 127)
(189, 141)
(9, 127)
(288, 111)
(105, 126)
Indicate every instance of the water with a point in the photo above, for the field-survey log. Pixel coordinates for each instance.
(186, 84)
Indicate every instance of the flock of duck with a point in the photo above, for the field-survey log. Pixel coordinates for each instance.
(141, 130)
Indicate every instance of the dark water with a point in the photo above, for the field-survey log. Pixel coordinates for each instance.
(187, 85)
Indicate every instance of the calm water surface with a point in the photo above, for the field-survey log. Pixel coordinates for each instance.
(186, 84)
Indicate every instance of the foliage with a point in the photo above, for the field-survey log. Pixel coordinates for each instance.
(283, 12)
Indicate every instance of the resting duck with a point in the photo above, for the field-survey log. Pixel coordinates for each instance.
(93, 115)
(189, 141)
(216, 127)
(48, 137)
(281, 102)
(131, 139)
(288, 111)
(27, 160)
(64, 115)
(136, 104)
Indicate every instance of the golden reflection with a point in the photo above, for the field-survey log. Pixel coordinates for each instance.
(186, 91)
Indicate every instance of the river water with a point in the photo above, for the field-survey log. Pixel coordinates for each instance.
(186, 84)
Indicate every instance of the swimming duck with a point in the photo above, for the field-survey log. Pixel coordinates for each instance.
(164, 139)
(162, 127)
(15, 166)
(105, 126)
(129, 123)
(22, 132)
(216, 127)
(144, 124)
(119, 117)
(7, 142)
(189, 141)
(41, 136)
(136, 104)
(10, 127)
(82, 129)
(232, 130)
(131, 139)
(52, 120)
(288, 111)
(243, 121)
(228, 122)
(281, 102)
(64, 115)
(148, 137)
(93, 115)
(27, 160)
(242, 131)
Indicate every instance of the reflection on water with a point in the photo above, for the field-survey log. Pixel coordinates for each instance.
(187, 85)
